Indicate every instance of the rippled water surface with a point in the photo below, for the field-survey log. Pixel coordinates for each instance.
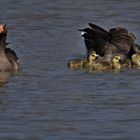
(47, 101)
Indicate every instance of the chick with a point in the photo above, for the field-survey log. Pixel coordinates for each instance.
(82, 63)
(76, 63)
(92, 56)
(136, 60)
(101, 64)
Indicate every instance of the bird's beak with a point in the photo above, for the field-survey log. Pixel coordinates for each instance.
(122, 61)
(3, 28)
(97, 57)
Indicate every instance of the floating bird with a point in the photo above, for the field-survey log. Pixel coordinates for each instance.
(116, 40)
(82, 63)
(8, 58)
(108, 50)
(136, 60)
(92, 56)
(76, 63)
(101, 64)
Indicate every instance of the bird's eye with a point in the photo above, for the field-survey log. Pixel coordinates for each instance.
(117, 58)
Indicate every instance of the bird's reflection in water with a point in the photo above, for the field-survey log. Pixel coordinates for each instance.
(4, 77)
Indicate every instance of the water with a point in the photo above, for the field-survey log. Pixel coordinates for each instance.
(47, 101)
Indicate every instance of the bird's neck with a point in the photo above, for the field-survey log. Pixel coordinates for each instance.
(90, 62)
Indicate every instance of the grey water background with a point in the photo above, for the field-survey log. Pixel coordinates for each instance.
(47, 101)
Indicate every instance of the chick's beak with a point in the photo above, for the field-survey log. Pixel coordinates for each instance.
(125, 61)
(97, 57)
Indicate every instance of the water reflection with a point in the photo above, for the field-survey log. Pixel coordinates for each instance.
(4, 77)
